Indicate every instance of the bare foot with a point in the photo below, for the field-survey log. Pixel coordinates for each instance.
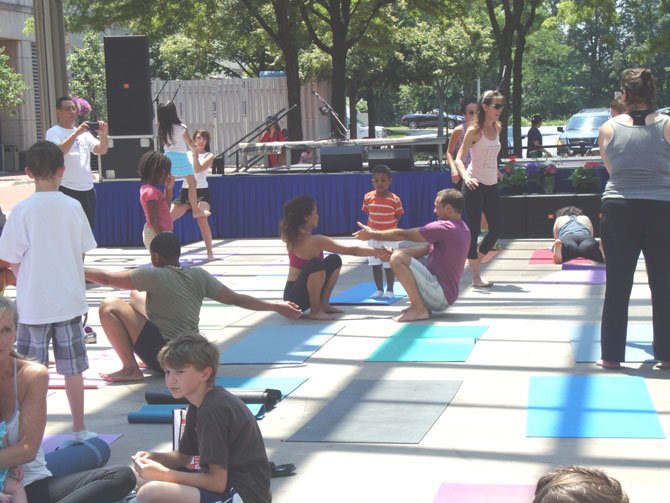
(556, 248)
(413, 314)
(482, 283)
(124, 375)
(608, 365)
(327, 308)
(319, 315)
(210, 257)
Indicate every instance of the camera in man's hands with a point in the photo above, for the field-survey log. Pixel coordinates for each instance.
(92, 126)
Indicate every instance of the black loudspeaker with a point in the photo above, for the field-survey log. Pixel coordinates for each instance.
(129, 103)
(540, 216)
(123, 154)
(513, 216)
(397, 159)
(337, 159)
(591, 204)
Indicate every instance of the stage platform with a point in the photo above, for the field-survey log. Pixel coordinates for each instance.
(250, 205)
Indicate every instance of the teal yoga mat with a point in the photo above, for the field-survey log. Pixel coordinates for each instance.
(162, 414)
(380, 411)
(360, 294)
(426, 343)
(280, 344)
(585, 342)
(591, 407)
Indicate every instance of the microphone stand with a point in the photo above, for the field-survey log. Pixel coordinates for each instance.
(326, 109)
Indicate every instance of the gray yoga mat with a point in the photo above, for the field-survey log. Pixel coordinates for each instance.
(380, 411)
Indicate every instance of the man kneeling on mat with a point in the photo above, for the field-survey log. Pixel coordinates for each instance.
(170, 307)
(430, 272)
(219, 429)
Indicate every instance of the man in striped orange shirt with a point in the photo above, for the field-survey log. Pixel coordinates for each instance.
(384, 210)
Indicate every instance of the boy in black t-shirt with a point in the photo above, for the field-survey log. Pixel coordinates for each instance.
(219, 428)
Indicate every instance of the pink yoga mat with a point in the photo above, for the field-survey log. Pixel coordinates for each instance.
(484, 493)
(50, 442)
(576, 277)
(544, 256)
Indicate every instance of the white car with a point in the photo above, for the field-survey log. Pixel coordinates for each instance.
(362, 131)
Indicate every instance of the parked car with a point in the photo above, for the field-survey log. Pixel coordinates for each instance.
(414, 121)
(580, 136)
(664, 110)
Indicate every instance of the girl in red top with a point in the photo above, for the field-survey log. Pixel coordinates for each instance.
(154, 170)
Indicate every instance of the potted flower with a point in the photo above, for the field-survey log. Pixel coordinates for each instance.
(548, 174)
(514, 177)
(534, 170)
(584, 177)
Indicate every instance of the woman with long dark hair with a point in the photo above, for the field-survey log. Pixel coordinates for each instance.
(480, 180)
(635, 147)
(311, 277)
(174, 137)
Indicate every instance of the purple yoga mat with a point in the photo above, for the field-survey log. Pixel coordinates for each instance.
(50, 442)
(578, 266)
(484, 493)
(579, 277)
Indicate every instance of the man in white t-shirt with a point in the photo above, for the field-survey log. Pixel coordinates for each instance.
(77, 143)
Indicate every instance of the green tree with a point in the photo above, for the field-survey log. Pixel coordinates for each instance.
(181, 57)
(12, 85)
(86, 67)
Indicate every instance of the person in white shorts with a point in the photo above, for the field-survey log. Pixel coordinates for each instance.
(431, 271)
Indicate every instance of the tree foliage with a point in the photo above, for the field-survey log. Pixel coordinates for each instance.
(86, 67)
(12, 85)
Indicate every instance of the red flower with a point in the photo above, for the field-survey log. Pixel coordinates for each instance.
(591, 164)
(512, 158)
(507, 170)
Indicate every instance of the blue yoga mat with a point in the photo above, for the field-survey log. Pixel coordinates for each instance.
(591, 407)
(585, 341)
(360, 294)
(426, 343)
(280, 344)
(181, 164)
(162, 414)
(79, 457)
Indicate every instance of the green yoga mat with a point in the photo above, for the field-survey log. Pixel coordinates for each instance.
(380, 411)
(428, 343)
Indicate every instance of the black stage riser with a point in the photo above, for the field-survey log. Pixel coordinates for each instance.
(338, 159)
(123, 155)
(397, 159)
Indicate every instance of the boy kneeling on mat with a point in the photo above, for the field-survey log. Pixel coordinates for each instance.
(219, 429)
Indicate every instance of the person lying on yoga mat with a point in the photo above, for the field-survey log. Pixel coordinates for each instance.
(573, 237)
(219, 429)
(23, 391)
(311, 277)
(579, 484)
(431, 271)
(169, 308)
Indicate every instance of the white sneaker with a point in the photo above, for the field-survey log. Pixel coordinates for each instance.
(388, 295)
(377, 295)
(82, 435)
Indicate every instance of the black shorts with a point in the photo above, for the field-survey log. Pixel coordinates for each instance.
(202, 195)
(87, 200)
(148, 345)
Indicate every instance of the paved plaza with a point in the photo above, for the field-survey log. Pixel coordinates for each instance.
(481, 436)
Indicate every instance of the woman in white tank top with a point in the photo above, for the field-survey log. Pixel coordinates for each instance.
(480, 180)
(202, 160)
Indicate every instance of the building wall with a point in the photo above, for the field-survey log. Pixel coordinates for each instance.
(19, 129)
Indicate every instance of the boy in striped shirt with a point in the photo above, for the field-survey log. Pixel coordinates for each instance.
(384, 210)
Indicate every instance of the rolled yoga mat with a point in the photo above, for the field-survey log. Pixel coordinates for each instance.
(79, 457)
(266, 397)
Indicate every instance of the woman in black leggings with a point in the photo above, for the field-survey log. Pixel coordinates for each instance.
(635, 147)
